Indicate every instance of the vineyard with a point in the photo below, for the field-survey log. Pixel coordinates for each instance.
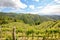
(49, 30)
(29, 27)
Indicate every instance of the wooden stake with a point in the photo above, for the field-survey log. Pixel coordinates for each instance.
(14, 33)
(0, 33)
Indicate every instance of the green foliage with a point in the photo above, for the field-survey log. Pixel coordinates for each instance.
(40, 26)
(29, 32)
(32, 19)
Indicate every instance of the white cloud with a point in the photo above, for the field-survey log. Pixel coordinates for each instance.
(36, 0)
(12, 3)
(57, 1)
(39, 7)
(11, 10)
(32, 7)
(51, 10)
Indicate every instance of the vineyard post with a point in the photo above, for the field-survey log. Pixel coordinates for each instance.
(14, 33)
(0, 33)
(32, 35)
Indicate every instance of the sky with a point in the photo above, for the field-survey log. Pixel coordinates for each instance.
(42, 7)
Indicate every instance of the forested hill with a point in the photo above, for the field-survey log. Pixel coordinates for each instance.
(32, 19)
(54, 17)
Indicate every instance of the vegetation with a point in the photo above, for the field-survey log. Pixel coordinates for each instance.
(32, 19)
(28, 25)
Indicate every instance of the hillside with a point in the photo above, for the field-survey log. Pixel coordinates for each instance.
(53, 17)
(32, 19)
(45, 29)
(29, 25)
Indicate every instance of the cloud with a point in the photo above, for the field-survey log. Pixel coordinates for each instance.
(11, 10)
(32, 7)
(12, 4)
(51, 10)
(36, 0)
(57, 1)
(39, 7)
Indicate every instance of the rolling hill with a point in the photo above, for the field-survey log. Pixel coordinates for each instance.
(46, 26)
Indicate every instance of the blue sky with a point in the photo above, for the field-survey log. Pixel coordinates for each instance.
(43, 7)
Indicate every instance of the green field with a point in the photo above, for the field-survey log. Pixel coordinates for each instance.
(28, 27)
